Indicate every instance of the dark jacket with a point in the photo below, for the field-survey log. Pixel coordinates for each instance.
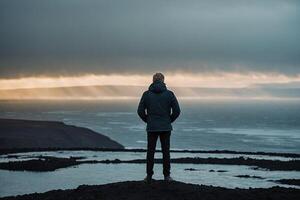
(158, 107)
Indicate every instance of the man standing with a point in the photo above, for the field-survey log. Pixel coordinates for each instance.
(158, 108)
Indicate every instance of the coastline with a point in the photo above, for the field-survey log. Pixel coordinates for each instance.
(255, 161)
(25, 150)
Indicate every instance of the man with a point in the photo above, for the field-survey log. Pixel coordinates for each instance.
(158, 108)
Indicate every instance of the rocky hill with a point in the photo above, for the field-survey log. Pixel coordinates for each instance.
(15, 133)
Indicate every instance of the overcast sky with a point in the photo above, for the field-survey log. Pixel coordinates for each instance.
(72, 37)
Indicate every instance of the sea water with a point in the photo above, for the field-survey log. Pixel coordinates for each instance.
(23, 182)
(271, 126)
(241, 125)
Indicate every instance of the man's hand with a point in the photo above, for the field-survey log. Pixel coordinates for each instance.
(175, 108)
(142, 109)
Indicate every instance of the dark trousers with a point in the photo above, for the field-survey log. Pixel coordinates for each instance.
(164, 137)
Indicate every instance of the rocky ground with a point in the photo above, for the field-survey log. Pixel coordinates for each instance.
(160, 190)
(52, 163)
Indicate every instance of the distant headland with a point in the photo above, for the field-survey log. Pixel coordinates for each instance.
(17, 134)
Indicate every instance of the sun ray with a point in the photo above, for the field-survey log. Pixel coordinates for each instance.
(219, 80)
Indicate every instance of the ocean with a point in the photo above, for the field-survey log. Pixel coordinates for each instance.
(253, 125)
(241, 125)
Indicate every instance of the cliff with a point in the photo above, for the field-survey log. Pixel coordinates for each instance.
(15, 133)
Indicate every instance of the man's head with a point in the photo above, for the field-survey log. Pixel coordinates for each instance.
(158, 77)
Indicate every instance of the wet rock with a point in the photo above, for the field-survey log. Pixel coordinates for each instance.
(39, 165)
(289, 181)
(291, 165)
(222, 171)
(77, 157)
(157, 190)
(55, 163)
(191, 169)
(248, 176)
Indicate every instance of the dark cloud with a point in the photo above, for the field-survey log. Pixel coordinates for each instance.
(135, 36)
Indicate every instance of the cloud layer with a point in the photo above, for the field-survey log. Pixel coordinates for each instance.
(75, 37)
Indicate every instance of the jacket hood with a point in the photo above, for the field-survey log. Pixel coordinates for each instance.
(157, 87)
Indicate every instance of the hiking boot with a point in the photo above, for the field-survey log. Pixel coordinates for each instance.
(148, 179)
(168, 178)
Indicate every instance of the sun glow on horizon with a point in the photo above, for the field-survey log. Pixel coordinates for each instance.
(218, 80)
(212, 86)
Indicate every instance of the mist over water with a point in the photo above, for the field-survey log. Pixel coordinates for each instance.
(242, 125)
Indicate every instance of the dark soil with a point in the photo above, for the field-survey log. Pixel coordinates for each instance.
(160, 190)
